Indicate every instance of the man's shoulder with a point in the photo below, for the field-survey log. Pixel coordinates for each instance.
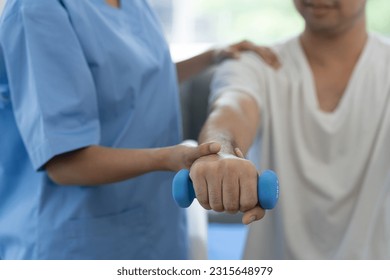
(380, 41)
(286, 43)
(283, 49)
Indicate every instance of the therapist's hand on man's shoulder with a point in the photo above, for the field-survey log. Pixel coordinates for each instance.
(226, 182)
(234, 51)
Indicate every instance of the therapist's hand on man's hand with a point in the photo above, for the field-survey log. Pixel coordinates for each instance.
(225, 182)
(182, 156)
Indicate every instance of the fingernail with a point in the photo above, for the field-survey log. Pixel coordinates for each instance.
(214, 147)
(252, 219)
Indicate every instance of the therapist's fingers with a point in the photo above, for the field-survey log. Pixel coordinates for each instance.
(202, 150)
(222, 54)
(234, 50)
(185, 154)
(268, 56)
(244, 45)
(252, 215)
(207, 149)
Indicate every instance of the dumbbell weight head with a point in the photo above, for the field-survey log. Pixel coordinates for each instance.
(267, 189)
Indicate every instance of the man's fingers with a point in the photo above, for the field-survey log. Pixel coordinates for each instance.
(238, 153)
(253, 215)
(215, 194)
(230, 194)
(201, 192)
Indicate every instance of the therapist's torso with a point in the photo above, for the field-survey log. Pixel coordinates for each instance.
(125, 65)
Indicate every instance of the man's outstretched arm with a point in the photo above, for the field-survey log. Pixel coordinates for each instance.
(227, 182)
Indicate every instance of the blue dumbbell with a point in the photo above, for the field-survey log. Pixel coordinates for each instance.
(267, 189)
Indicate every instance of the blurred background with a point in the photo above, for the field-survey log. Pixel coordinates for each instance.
(223, 21)
(191, 25)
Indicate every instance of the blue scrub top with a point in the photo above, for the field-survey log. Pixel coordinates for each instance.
(74, 74)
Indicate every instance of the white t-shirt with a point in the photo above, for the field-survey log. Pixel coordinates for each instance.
(334, 168)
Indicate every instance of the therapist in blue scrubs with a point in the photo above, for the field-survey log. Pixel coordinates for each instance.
(88, 96)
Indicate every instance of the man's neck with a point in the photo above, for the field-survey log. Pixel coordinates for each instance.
(327, 48)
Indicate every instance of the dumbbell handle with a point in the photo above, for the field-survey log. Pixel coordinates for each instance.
(267, 189)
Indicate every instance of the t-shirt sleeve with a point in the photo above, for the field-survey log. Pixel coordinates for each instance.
(244, 76)
(51, 87)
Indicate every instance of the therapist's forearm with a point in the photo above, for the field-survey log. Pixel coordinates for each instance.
(96, 165)
(194, 65)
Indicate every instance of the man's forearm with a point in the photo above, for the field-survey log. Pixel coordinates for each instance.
(228, 182)
(233, 122)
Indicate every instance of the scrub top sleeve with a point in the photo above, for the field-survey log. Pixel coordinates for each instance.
(51, 87)
(242, 75)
